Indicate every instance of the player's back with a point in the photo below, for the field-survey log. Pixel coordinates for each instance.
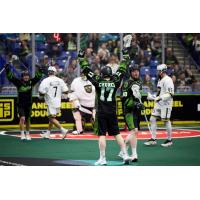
(106, 92)
(53, 87)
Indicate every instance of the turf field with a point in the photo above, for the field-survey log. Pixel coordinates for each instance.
(83, 150)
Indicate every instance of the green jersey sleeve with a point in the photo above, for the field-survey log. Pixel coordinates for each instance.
(92, 77)
(12, 78)
(36, 79)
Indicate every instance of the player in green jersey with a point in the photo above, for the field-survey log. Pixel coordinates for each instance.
(106, 119)
(24, 101)
(131, 98)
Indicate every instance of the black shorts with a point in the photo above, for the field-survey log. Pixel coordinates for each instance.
(107, 124)
(24, 111)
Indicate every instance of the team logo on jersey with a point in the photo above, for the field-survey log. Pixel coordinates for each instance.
(125, 84)
(88, 88)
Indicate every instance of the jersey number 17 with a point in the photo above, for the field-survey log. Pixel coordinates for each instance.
(109, 97)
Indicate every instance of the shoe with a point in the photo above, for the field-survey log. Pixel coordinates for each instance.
(23, 137)
(167, 143)
(44, 135)
(134, 158)
(64, 133)
(28, 137)
(101, 161)
(126, 160)
(77, 132)
(121, 155)
(150, 142)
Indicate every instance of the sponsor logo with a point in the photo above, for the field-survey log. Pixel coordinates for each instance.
(6, 110)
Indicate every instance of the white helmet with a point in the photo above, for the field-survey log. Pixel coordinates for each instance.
(51, 68)
(162, 68)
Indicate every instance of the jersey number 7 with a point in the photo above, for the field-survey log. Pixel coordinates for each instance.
(55, 90)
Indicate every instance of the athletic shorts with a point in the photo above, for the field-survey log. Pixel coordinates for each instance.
(132, 120)
(162, 112)
(106, 124)
(24, 111)
(52, 111)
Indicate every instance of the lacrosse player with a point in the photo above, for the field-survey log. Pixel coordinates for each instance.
(24, 101)
(163, 106)
(106, 86)
(51, 88)
(132, 108)
(82, 97)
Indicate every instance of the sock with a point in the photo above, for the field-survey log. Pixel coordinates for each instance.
(153, 127)
(22, 132)
(134, 151)
(27, 132)
(123, 149)
(48, 132)
(169, 130)
(102, 154)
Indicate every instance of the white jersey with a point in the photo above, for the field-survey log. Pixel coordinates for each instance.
(166, 85)
(84, 91)
(53, 87)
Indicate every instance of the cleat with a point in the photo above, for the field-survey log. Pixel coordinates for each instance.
(134, 158)
(64, 133)
(101, 161)
(167, 143)
(121, 155)
(126, 160)
(150, 142)
(23, 137)
(44, 135)
(28, 137)
(77, 132)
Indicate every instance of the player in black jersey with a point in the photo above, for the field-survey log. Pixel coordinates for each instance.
(106, 119)
(24, 101)
(132, 106)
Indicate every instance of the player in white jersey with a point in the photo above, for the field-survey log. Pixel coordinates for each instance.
(52, 89)
(163, 106)
(82, 97)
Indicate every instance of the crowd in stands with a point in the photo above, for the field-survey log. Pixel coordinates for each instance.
(60, 50)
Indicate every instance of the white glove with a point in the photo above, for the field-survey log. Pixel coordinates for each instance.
(150, 96)
(127, 40)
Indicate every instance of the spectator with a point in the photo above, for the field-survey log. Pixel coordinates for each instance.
(116, 50)
(24, 37)
(170, 59)
(181, 79)
(45, 64)
(189, 77)
(104, 54)
(156, 47)
(93, 41)
(147, 82)
(69, 41)
(70, 74)
(89, 54)
(144, 41)
(174, 79)
(134, 50)
(96, 63)
(196, 47)
(113, 63)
